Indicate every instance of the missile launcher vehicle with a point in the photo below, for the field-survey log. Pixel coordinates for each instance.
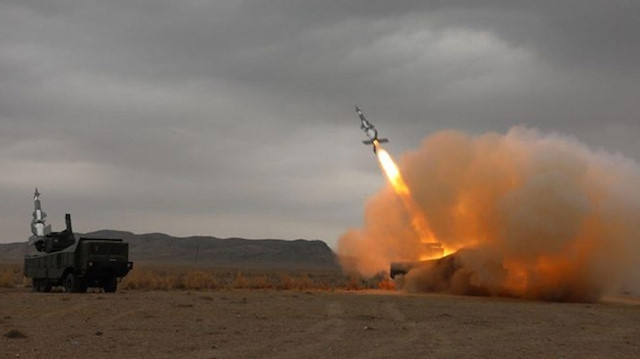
(73, 264)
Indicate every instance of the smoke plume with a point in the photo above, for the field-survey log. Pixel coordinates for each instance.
(527, 214)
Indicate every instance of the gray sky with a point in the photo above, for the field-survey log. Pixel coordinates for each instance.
(235, 118)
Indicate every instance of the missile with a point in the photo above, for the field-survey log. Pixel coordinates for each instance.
(38, 226)
(369, 130)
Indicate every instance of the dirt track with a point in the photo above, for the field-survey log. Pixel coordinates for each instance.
(289, 324)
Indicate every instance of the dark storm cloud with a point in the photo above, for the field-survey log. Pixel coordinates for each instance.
(597, 31)
(162, 115)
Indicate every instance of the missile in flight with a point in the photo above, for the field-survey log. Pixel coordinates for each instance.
(370, 130)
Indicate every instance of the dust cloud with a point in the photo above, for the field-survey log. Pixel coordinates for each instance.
(527, 214)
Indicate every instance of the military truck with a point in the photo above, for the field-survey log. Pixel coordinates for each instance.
(73, 264)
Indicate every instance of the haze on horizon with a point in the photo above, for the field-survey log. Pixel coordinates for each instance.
(235, 118)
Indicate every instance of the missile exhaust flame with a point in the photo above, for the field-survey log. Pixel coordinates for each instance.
(391, 171)
(433, 248)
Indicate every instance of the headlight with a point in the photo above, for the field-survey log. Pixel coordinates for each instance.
(90, 264)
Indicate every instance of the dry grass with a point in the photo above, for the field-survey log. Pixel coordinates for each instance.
(170, 278)
(11, 275)
(162, 277)
(167, 277)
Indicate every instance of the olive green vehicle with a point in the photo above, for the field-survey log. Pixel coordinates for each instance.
(74, 264)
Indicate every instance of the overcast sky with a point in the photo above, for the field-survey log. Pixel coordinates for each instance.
(235, 118)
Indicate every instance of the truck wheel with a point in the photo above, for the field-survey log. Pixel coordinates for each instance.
(70, 283)
(110, 285)
(35, 285)
(41, 285)
(46, 285)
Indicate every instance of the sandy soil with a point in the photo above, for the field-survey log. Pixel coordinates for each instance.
(290, 324)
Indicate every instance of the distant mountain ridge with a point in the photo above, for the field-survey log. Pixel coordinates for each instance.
(207, 251)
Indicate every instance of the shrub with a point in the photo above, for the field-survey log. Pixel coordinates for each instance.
(6, 278)
(239, 281)
(11, 275)
(199, 279)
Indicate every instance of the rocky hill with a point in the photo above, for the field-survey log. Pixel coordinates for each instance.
(207, 251)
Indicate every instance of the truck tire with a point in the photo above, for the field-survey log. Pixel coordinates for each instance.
(70, 283)
(46, 285)
(110, 285)
(41, 285)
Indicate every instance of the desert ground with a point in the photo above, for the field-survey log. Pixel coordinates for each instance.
(269, 323)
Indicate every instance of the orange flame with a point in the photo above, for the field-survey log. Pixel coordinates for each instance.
(391, 171)
(433, 248)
